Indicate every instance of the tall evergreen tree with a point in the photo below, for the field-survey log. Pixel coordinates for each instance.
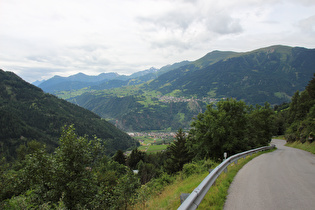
(179, 153)
(120, 157)
(134, 158)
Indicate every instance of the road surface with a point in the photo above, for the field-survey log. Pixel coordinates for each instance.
(283, 179)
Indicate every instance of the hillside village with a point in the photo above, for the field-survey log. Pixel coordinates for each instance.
(154, 135)
(172, 99)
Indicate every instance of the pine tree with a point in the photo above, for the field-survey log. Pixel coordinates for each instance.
(179, 153)
(120, 157)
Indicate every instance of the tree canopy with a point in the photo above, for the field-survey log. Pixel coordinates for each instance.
(301, 115)
(230, 127)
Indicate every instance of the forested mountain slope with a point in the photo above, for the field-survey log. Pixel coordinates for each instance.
(270, 74)
(27, 113)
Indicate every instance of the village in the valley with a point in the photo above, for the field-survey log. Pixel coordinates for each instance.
(157, 137)
(172, 99)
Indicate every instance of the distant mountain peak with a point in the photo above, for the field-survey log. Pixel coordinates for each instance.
(38, 82)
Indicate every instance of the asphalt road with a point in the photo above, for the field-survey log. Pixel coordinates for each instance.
(283, 179)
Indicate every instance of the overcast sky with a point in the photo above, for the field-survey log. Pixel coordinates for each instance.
(43, 38)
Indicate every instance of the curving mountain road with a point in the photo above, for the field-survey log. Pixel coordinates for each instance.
(283, 179)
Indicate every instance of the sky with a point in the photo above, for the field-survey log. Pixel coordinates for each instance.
(43, 38)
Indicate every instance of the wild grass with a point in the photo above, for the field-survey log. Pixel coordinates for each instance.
(169, 198)
(307, 146)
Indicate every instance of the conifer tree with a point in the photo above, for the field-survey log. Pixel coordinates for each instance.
(179, 153)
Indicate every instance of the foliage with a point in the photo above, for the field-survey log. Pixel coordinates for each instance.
(261, 125)
(179, 153)
(301, 115)
(76, 176)
(120, 157)
(232, 127)
(134, 158)
(74, 162)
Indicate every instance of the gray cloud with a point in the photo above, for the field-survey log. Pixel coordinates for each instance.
(308, 25)
(171, 42)
(224, 24)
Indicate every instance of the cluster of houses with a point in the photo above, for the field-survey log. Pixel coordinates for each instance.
(155, 135)
(172, 99)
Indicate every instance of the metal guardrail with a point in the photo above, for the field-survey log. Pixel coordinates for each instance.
(195, 198)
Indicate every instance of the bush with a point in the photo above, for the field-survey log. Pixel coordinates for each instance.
(197, 167)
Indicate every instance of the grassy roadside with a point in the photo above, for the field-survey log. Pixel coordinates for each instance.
(169, 198)
(310, 147)
(307, 146)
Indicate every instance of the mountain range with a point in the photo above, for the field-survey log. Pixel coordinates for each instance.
(103, 80)
(27, 113)
(168, 98)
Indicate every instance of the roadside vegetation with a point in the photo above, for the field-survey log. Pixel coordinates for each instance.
(297, 119)
(189, 178)
(307, 146)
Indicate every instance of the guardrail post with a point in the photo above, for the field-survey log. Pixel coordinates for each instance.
(225, 156)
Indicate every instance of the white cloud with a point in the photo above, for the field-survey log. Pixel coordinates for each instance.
(44, 38)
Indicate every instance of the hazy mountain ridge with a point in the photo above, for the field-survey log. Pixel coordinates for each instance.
(77, 81)
(103, 80)
(28, 113)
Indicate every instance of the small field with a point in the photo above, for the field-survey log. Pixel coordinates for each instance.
(152, 148)
(151, 144)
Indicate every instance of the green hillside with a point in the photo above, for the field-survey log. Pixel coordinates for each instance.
(131, 109)
(269, 74)
(27, 113)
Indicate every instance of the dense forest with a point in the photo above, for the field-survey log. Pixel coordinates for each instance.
(28, 113)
